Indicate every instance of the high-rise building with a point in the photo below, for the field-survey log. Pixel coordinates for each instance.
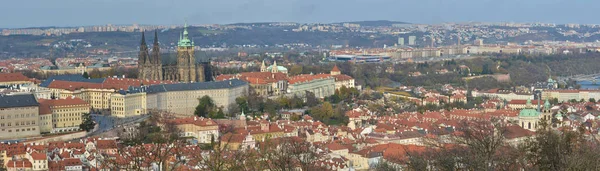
(186, 68)
(401, 41)
(411, 40)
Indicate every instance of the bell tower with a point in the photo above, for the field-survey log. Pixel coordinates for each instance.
(186, 62)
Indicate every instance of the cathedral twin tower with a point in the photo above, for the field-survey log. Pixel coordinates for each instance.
(184, 69)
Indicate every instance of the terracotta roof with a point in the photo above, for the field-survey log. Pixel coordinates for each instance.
(515, 131)
(533, 102)
(335, 69)
(72, 162)
(56, 165)
(233, 138)
(47, 105)
(72, 86)
(106, 144)
(10, 77)
(306, 78)
(133, 82)
(19, 164)
(342, 77)
(261, 77)
(225, 77)
(38, 156)
(198, 121)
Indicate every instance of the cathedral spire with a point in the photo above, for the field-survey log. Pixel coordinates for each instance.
(185, 32)
(155, 59)
(143, 39)
(155, 37)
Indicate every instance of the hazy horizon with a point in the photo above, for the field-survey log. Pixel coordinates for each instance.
(69, 13)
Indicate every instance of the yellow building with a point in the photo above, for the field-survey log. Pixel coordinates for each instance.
(66, 113)
(128, 103)
(202, 129)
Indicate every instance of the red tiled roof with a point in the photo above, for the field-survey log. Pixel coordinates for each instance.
(72, 162)
(38, 156)
(515, 131)
(306, 78)
(133, 82)
(9, 77)
(71, 85)
(19, 164)
(533, 102)
(233, 138)
(106, 144)
(225, 77)
(198, 121)
(46, 105)
(342, 77)
(335, 69)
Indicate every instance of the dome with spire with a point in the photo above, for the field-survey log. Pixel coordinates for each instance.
(184, 40)
(547, 105)
(529, 111)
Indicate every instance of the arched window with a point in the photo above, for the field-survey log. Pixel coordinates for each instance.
(528, 125)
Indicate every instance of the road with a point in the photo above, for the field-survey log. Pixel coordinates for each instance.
(107, 122)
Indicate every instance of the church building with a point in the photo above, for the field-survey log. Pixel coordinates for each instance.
(186, 68)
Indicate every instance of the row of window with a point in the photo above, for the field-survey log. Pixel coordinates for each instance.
(23, 115)
(22, 123)
(19, 130)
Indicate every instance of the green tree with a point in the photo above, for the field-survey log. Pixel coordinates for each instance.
(205, 106)
(242, 103)
(88, 124)
(85, 75)
(592, 100)
(296, 69)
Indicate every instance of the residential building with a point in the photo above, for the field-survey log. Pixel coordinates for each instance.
(39, 160)
(204, 130)
(19, 116)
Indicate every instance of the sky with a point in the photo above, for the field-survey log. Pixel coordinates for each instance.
(41, 13)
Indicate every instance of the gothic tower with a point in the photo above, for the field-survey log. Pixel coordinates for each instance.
(142, 58)
(156, 64)
(186, 62)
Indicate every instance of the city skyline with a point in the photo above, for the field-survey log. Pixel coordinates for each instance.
(73, 13)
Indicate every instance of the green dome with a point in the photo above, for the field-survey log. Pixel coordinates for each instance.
(559, 115)
(547, 105)
(529, 113)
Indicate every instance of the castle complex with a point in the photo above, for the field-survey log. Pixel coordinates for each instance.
(185, 69)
